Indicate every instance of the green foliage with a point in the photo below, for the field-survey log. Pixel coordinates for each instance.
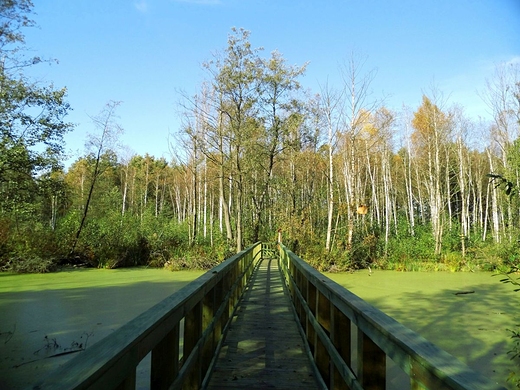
(198, 257)
(14, 18)
(365, 250)
(29, 264)
(501, 257)
(112, 242)
(28, 248)
(409, 248)
(32, 127)
(165, 238)
(202, 255)
(515, 355)
(510, 277)
(508, 186)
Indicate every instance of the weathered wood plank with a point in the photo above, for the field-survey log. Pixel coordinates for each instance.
(263, 348)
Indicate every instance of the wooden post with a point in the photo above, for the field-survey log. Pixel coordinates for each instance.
(231, 280)
(422, 379)
(192, 333)
(208, 311)
(240, 276)
(165, 361)
(219, 298)
(226, 285)
(128, 383)
(340, 329)
(302, 285)
(311, 302)
(323, 311)
(371, 363)
(321, 355)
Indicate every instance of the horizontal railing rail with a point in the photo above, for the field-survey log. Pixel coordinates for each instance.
(327, 311)
(181, 356)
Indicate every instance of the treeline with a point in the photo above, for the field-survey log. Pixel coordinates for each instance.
(347, 182)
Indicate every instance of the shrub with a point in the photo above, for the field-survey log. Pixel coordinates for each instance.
(29, 264)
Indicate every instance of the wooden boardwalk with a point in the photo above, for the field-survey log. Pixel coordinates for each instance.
(263, 348)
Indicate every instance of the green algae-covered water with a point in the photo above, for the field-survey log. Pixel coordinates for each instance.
(466, 314)
(43, 315)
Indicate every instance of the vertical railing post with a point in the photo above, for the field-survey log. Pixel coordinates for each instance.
(165, 361)
(232, 275)
(311, 302)
(371, 363)
(242, 275)
(226, 285)
(340, 329)
(255, 256)
(208, 311)
(291, 280)
(421, 378)
(219, 298)
(128, 383)
(192, 334)
(302, 285)
(321, 355)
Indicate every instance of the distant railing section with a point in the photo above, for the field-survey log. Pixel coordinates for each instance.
(327, 311)
(269, 250)
(182, 356)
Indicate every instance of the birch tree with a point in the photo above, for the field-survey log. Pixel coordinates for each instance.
(331, 109)
(432, 127)
(359, 104)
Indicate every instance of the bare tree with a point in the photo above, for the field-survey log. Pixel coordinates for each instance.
(109, 131)
(331, 110)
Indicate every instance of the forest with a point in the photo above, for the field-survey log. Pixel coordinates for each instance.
(347, 182)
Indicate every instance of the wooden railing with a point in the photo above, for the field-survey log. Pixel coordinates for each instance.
(182, 332)
(327, 312)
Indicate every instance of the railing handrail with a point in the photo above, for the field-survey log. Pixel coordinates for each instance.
(426, 364)
(207, 304)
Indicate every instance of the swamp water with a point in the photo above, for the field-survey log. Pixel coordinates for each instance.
(466, 314)
(45, 314)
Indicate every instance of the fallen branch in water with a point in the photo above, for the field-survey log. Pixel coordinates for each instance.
(52, 343)
(464, 292)
(9, 334)
(48, 357)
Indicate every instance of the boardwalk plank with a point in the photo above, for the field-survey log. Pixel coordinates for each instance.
(263, 348)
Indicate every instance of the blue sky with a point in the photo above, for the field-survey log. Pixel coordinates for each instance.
(142, 52)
